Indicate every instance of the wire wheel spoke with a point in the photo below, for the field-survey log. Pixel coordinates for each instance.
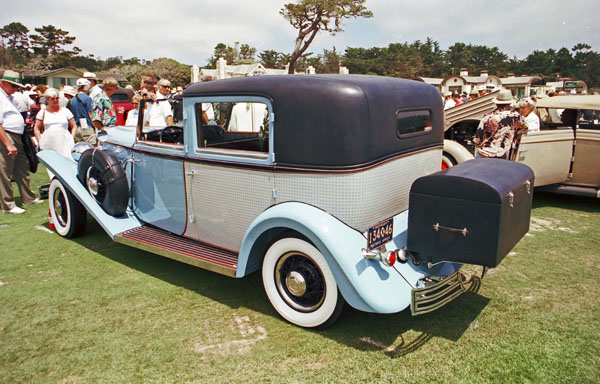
(300, 282)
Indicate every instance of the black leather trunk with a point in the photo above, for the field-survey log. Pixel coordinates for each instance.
(472, 213)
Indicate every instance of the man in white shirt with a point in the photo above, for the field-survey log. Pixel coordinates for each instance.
(22, 101)
(13, 159)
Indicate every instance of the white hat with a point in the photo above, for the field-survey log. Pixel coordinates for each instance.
(69, 90)
(81, 82)
(504, 97)
(89, 75)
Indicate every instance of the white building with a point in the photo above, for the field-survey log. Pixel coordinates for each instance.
(465, 83)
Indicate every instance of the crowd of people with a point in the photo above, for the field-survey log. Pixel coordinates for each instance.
(62, 117)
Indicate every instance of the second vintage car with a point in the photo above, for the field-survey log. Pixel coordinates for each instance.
(309, 180)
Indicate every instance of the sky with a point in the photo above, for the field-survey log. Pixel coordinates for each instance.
(188, 31)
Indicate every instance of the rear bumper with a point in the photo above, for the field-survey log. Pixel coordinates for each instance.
(438, 292)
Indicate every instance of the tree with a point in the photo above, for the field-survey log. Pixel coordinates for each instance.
(271, 59)
(15, 44)
(311, 16)
(51, 40)
(165, 68)
(239, 54)
(16, 36)
(330, 61)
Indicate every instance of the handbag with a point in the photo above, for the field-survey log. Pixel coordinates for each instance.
(31, 149)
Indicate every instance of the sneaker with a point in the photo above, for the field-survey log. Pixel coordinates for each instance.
(14, 211)
(35, 201)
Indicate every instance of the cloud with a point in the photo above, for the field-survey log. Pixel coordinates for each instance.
(189, 30)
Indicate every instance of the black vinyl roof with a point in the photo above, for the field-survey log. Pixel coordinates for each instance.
(336, 121)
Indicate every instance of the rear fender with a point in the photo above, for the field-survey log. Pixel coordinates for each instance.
(367, 285)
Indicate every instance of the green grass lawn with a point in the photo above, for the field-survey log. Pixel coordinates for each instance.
(91, 310)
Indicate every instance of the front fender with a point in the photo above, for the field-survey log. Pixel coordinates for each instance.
(457, 151)
(367, 285)
(65, 170)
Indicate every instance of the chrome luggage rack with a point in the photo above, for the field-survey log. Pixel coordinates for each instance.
(439, 291)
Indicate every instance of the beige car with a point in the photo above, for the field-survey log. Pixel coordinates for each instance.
(564, 154)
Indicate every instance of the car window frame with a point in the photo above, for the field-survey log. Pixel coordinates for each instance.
(225, 154)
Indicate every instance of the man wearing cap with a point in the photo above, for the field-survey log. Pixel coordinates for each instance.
(81, 107)
(13, 159)
(95, 89)
(496, 131)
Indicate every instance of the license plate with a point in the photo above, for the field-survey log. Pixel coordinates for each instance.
(380, 234)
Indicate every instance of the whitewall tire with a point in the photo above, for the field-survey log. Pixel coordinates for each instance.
(300, 284)
(68, 215)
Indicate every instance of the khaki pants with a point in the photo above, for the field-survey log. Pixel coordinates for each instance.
(18, 167)
(87, 135)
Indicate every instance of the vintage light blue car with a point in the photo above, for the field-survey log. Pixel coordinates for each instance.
(308, 179)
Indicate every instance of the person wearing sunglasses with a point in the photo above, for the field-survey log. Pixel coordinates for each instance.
(13, 159)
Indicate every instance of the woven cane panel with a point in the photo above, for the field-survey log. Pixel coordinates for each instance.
(224, 201)
(360, 199)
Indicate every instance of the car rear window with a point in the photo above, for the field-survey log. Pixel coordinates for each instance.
(409, 123)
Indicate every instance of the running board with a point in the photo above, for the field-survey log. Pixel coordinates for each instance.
(180, 248)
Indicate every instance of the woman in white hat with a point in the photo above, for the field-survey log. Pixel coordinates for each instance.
(58, 126)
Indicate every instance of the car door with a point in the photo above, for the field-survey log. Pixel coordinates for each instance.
(548, 153)
(229, 172)
(585, 171)
(158, 185)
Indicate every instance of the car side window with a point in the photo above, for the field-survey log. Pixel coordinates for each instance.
(410, 123)
(239, 125)
(589, 119)
(158, 123)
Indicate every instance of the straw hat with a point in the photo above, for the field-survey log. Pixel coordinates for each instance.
(12, 77)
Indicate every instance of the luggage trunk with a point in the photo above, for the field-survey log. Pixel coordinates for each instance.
(472, 213)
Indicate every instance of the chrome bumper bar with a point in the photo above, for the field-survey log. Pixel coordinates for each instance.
(438, 292)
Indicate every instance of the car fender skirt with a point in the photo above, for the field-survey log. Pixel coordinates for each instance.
(103, 175)
(367, 285)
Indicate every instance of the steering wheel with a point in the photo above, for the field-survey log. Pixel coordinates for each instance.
(172, 134)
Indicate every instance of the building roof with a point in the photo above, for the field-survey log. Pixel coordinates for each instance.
(519, 80)
(243, 70)
(45, 73)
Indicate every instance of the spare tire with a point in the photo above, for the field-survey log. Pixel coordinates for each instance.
(103, 176)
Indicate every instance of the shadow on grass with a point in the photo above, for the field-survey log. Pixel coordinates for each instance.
(397, 334)
(577, 203)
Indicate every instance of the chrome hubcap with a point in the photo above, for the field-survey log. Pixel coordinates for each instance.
(295, 283)
(300, 282)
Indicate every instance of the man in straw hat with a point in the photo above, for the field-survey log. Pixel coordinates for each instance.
(13, 159)
(496, 130)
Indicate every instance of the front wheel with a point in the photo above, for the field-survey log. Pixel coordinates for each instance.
(300, 285)
(68, 215)
(448, 161)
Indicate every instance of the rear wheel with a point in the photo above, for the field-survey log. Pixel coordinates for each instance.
(300, 285)
(68, 215)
